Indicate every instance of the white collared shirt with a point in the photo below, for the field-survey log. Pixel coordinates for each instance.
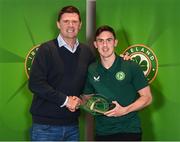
(61, 43)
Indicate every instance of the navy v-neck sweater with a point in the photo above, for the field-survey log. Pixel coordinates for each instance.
(55, 74)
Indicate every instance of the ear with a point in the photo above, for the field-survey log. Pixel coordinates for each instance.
(58, 25)
(80, 25)
(95, 44)
(116, 42)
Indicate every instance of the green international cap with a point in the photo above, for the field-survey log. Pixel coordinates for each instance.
(97, 105)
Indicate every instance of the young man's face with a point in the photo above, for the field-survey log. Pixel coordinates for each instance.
(105, 44)
(69, 25)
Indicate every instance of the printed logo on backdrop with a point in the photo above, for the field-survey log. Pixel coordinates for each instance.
(146, 58)
(30, 58)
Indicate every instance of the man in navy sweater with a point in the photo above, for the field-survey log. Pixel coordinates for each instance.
(57, 78)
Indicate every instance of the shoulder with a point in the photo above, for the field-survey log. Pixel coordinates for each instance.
(93, 67)
(88, 51)
(130, 66)
(47, 46)
(94, 64)
(83, 45)
(86, 48)
(129, 63)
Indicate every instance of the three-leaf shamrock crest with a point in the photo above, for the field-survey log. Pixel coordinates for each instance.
(141, 62)
(145, 57)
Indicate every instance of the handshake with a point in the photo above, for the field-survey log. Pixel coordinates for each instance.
(94, 104)
(73, 103)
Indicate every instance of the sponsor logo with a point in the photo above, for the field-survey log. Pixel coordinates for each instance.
(96, 79)
(146, 58)
(30, 58)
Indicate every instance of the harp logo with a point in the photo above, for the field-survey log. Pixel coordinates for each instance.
(146, 58)
(30, 58)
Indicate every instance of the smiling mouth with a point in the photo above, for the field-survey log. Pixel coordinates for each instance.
(70, 30)
(105, 49)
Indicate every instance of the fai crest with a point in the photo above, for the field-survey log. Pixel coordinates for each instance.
(29, 59)
(120, 75)
(146, 58)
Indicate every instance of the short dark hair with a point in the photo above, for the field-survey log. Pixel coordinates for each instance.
(104, 28)
(69, 9)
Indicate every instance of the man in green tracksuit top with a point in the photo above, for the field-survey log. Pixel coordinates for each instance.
(121, 82)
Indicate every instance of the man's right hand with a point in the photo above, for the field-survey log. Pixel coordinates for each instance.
(73, 103)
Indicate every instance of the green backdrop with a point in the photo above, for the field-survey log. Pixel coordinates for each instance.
(154, 23)
(24, 24)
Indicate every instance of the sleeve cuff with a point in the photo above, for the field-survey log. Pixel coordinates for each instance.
(64, 104)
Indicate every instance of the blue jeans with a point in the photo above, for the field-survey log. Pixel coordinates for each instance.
(41, 132)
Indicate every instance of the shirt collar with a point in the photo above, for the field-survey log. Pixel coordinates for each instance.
(102, 69)
(61, 43)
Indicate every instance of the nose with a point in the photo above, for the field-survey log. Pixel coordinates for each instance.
(104, 42)
(70, 23)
